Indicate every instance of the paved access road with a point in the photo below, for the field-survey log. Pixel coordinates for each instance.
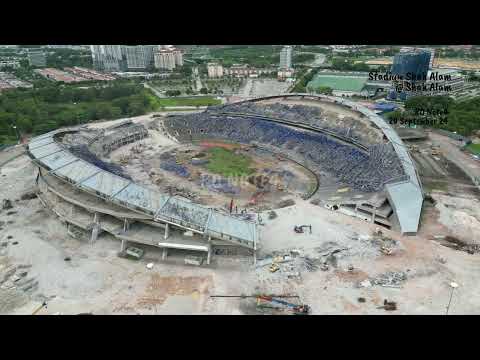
(451, 150)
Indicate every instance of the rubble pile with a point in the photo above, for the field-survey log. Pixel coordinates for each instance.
(388, 279)
(179, 170)
(217, 184)
(6, 204)
(180, 191)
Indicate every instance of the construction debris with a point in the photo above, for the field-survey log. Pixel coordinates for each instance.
(28, 195)
(365, 284)
(457, 244)
(390, 279)
(285, 203)
(388, 305)
(6, 204)
(193, 260)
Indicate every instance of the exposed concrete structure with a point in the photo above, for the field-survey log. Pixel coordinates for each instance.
(405, 195)
(128, 211)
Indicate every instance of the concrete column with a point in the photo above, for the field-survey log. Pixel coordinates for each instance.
(72, 210)
(94, 235)
(209, 254)
(123, 245)
(164, 253)
(166, 231)
(126, 225)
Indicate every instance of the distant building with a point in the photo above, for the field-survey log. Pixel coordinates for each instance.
(431, 51)
(415, 62)
(286, 57)
(168, 57)
(69, 47)
(109, 58)
(37, 58)
(215, 70)
(15, 64)
(244, 70)
(139, 57)
(443, 78)
(284, 74)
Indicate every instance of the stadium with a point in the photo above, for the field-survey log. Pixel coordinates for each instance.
(202, 182)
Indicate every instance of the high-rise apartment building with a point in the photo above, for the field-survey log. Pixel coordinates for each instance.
(112, 58)
(109, 57)
(167, 57)
(286, 57)
(215, 70)
(139, 57)
(414, 62)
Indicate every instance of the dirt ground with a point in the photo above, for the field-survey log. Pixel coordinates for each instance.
(95, 280)
(144, 167)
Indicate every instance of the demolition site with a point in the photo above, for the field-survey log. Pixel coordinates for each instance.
(286, 204)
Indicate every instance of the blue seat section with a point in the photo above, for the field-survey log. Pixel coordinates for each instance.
(364, 172)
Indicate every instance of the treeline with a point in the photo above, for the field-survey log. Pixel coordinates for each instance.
(60, 58)
(301, 58)
(304, 77)
(260, 56)
(37, 111)
(461, 116)
(343, 64)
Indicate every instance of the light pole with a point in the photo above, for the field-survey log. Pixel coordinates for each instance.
(16, 133)
(453, 285)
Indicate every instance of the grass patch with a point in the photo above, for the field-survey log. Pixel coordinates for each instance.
(474, 148)
(193, 101)
(227, 163)
(435, 185)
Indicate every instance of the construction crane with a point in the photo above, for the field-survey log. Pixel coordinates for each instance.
(274, 302)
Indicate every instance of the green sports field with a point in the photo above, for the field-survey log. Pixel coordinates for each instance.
(227, 163)
(339, 82)
(474, 148)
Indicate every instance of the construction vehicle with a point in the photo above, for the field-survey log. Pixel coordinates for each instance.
(273, 302)
(134, 252)
(299, 228)
(270, 302)
(274, 267)
(40, 307)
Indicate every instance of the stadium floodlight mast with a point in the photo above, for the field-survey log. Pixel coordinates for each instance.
(453, 285)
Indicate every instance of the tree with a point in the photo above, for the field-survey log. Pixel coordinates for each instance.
(203, 90)
(324, 90)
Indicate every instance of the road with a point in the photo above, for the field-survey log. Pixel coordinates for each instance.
(450, 149)
(196, 76)
(155, 91)
(319, 60)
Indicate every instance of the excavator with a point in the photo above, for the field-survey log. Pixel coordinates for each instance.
(299, 228)
(273, 302)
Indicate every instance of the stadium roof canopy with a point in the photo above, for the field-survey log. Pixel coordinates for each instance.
(46, 152)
